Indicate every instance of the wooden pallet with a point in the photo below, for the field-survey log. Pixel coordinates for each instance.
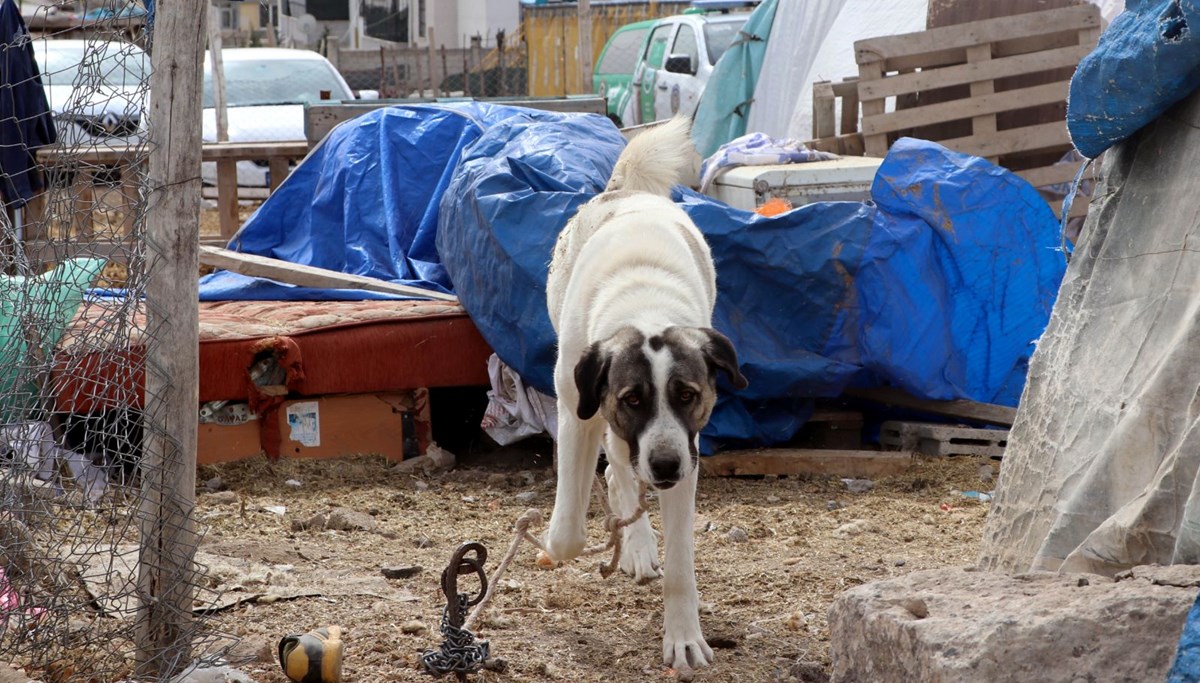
(940, 439)
(794, 461)
(992, 66)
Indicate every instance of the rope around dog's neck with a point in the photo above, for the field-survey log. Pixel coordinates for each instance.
(533, 518)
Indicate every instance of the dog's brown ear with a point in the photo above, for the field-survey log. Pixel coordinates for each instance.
(719, 352)
(591, 379)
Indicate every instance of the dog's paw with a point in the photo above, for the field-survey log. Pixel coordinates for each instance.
(684, 647)
(639, 554)
(564, 544)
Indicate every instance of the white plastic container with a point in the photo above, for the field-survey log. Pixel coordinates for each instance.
(841, 179)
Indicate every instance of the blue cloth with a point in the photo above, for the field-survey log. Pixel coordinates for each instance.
(725, 103)
(1147, 60)
(1186, 668)
(25, 121)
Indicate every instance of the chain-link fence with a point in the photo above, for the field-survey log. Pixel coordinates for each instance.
(82, 527)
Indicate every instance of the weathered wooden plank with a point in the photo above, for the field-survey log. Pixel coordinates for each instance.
(962, 409)
(962, 74)
(824, 123)
(848, 91)
(319, 119)
(166, 582)
(279, 169)
(1049, 175)
(782, 461)
(873, 145)
(307, 276)
(291, 149)
(227, 197)
(981, 104)
(211, 151)
(1004, 48)
(978, 33)
(984, 121)
(56, 251)
(1042, 136)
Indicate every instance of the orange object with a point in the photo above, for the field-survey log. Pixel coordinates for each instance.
(773, 207)
(320, 427)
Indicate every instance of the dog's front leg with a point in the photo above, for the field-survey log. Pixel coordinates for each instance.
(639, 553)
(684, 647)
(578, 450)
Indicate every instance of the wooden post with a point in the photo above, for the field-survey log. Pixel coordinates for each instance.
(503, 89)
(466, 75)
(166, 576)
(479, 88)
(417, 73)
(218, 73)
(445, 72)
(433, 83)
(585, 45)
(382, 74)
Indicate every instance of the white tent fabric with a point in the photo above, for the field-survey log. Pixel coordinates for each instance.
(1102, 468)
(834, 59)
(787, 63)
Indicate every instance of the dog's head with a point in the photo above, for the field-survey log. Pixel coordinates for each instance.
(656, 392)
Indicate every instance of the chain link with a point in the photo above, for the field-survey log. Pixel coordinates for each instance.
(460, 653)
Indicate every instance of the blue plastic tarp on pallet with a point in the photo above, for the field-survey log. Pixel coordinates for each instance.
(940, 287)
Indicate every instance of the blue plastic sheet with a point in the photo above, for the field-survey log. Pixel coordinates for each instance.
(941, 290)
(364, 202)
(1186, 668)
(1147, 60)
(940, 287)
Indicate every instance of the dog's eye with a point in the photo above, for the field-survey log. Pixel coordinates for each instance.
(632, 400)
(686, 396)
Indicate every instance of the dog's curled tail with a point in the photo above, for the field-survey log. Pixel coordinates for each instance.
(656, 160)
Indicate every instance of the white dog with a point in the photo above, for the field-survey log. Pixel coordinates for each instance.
(631, 293)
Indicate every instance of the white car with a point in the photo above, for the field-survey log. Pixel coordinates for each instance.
(265, 93)
(97, 90)
(676, 63)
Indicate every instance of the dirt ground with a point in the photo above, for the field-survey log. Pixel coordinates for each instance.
(765, 592)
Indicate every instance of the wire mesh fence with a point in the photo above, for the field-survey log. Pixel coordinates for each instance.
(77, 496)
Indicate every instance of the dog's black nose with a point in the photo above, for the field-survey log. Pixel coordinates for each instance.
(665, 471)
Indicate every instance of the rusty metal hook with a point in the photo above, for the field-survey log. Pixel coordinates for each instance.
(461, 563)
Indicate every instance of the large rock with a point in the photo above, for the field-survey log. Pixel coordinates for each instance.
(949, 625)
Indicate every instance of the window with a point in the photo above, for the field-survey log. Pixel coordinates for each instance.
(250, 82)
(421, 18)
(328, 10)
(685, 44)
(229, 18)
(385, 19)
(621, 55)
(718, 36)
(656, 51)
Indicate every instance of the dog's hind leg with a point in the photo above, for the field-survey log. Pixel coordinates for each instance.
(684, 646)
(578, 451)
(639, 552)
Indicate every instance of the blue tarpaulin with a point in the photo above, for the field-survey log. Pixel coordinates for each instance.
(940, 287)
(1147, 60)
